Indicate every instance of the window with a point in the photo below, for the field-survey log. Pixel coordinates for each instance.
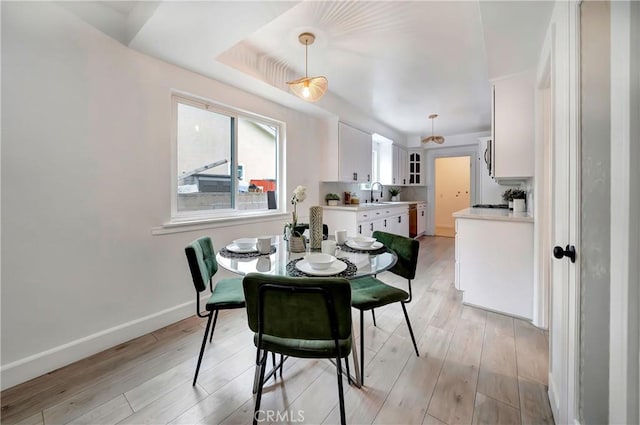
(226, 161)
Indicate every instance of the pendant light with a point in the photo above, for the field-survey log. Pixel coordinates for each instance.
(309, 89)
(435, 139)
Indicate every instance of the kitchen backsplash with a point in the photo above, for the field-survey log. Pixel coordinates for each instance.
(409, 193)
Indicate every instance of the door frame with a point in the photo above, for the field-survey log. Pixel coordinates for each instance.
(448, 152)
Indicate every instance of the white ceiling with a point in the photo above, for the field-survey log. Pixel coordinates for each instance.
(395, 61)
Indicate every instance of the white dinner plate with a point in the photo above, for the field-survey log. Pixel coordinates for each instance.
(235, 248)
(376, 245)
(335, 268)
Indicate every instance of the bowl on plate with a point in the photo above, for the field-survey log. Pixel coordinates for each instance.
(364, 241)
(320, 261)
(245, 243)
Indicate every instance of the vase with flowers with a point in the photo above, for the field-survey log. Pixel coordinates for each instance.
(295, 239)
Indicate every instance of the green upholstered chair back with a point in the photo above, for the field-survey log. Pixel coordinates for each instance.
(405, 248)
(297, 315)
(202, 262)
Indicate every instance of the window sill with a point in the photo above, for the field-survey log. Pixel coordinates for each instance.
(188, 225)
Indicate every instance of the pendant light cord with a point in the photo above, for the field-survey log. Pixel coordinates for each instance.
(306, 59)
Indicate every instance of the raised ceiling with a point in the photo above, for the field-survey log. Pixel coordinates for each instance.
(394, 61)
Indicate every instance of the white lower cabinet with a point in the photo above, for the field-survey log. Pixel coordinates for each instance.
(456, 281)
(365, 220)
(494, 265)
(399, 223)
(421, 224)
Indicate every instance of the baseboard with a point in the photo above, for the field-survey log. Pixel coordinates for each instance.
(38, 364)
(553, 400)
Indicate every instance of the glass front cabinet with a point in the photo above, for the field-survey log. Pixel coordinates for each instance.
(415, 167)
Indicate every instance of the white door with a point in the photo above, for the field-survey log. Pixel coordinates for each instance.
(564, 324)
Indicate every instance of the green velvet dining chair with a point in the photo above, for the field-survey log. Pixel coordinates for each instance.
(226, 294)
(369, 292)
(299, 317)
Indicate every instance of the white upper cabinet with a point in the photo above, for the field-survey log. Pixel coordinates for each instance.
(512, 127)
(399, 158)
(354, 156)
(401, 167)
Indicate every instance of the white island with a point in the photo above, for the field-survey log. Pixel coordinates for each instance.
(494, 260)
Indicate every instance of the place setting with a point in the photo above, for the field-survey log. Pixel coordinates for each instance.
(249, 247)
(324, 263)
(363, 244)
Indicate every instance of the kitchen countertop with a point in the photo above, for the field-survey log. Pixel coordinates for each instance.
(495, 214)
(369, 206)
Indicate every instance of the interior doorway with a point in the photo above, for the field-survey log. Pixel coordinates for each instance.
(452, 191)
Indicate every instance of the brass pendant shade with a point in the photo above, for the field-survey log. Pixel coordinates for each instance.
(308, 88)
(435, 139)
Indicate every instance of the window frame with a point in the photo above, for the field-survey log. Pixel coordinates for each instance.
(189, 217)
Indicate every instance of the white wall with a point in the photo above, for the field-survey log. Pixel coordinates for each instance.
(451, 140)
(86, 177)
(595, 193)
(624, 365)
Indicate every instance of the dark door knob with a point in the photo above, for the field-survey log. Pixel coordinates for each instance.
(569, 251)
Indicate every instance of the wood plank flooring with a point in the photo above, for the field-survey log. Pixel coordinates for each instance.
(474, 367)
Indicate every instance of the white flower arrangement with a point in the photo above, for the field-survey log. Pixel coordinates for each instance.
(299, 195)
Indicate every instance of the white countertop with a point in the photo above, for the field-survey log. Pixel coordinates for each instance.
(496, 214)
(368, 206)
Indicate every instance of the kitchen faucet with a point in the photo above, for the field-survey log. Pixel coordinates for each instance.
(381, 189)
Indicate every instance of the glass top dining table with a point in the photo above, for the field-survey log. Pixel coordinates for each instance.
(281, 262)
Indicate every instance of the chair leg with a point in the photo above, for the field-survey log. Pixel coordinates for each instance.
(361, 347)
(263, 363)
(281, 363)
(340, 390)
(204, 342)
(259, 369)
(275, 370)
(373, 314)
(406, 316)
(215, 320)
(346, 362)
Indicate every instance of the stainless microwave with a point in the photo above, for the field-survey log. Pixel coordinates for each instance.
(488, 155)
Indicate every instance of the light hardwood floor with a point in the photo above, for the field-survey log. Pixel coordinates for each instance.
(474, 367)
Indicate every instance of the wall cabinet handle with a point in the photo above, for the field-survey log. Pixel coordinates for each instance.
(360, 228)
(371, 226)
(355, 176)
(400, 219)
